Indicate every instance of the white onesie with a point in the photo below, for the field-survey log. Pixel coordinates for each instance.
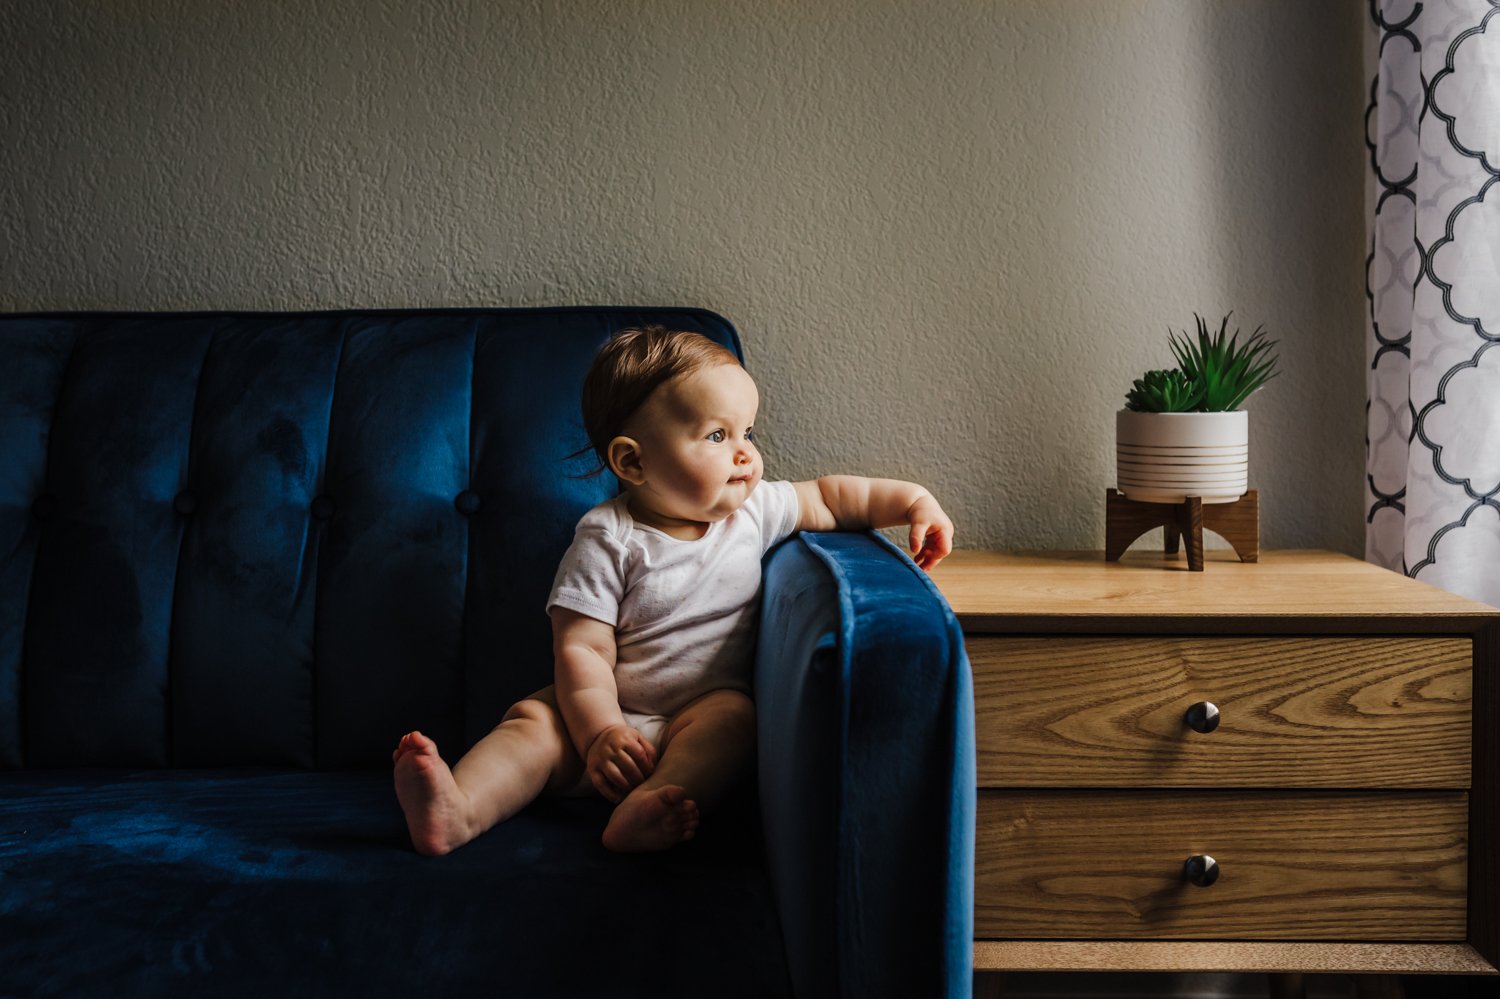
(683, 611)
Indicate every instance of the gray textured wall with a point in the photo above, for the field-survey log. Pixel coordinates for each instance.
(952, 231)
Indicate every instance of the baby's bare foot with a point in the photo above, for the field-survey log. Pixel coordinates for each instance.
(652, 820)
(436, 809)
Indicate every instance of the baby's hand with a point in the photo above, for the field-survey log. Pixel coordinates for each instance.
(619, 759)
(931, 532)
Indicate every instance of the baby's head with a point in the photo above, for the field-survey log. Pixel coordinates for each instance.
(670, 413)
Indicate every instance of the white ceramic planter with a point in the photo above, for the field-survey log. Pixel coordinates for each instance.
(1167, 457)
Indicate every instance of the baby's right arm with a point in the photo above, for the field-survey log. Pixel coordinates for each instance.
(616, 756)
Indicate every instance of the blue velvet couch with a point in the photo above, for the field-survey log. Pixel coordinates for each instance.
(242, 553)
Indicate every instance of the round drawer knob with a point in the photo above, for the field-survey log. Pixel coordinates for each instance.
(1203, 717)
(1201, 869)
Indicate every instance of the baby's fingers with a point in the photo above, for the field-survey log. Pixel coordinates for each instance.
(609, 783)
(606, 792)
(643, 755)
(629, 770)
(918, 536)
(936, 546)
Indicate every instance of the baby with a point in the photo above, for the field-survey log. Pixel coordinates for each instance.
(653, 608)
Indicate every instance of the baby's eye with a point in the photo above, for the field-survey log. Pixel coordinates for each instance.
(750, 434)
(718, 437)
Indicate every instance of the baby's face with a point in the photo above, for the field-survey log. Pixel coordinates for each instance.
(697, 454)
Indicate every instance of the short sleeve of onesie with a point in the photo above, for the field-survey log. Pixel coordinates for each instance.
(596, 569)
(775, 510)
(591, 577)
(683, 611)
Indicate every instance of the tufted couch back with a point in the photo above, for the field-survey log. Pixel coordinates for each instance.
(284, 539)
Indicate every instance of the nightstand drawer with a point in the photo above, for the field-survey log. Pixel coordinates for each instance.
(1292, 712)
(1293, 866)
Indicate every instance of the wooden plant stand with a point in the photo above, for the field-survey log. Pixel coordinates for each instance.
(1238, 523)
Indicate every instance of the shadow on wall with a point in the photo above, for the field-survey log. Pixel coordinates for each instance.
(1286, 139)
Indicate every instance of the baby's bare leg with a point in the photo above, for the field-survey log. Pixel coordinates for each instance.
(527, 753)
(707, 748)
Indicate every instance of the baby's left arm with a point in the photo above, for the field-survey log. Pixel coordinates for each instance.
(852, 503)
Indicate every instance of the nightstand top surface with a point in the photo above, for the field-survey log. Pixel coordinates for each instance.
(1035, 591)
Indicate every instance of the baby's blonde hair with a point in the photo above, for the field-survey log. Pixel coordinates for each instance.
(629, 367)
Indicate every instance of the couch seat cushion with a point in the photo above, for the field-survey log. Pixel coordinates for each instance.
(276, 883)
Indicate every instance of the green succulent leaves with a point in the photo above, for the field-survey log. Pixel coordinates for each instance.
(1163, 392)
(1215, 374)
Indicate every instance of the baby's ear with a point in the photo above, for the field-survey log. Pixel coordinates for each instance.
(624, 456)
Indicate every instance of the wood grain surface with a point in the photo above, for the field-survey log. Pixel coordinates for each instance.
(1331, 793)
(1347, 866)
(1294, 712)
(1236, 956)
(1286, 592)
(1238, 523)
(1484, 810)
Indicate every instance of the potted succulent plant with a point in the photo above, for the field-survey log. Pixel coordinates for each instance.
(1182, 432)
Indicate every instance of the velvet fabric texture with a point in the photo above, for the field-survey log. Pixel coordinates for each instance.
(867, 770)
(245, 883)
(245, 552)
(255, 539)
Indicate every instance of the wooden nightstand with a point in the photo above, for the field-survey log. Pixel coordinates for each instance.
(1347, 796)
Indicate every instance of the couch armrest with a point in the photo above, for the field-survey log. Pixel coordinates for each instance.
(867, 782)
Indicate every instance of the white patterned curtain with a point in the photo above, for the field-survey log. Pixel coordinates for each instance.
(1433, 131)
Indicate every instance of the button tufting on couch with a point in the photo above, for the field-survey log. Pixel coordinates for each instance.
(245, 552)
